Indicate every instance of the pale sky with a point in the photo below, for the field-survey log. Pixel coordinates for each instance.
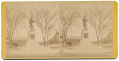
(54, 6)
(81, 7)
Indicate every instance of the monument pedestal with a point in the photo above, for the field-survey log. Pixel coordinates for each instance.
(32, 44)
(85, 43)
(85, 39)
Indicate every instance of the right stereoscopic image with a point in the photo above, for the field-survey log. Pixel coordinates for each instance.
(86, 29)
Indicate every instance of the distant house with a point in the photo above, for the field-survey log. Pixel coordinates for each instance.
(108, 38)
(16, 42)
(20, 42)
(55, 39)
(70, 41)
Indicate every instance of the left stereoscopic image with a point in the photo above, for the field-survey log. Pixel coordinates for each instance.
(32, 29)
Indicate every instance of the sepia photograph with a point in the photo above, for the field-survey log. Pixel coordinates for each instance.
(31, 28)
(86, 29)
(59, 29)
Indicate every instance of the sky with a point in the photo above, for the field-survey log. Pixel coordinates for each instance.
(81, 6)
(22, 32)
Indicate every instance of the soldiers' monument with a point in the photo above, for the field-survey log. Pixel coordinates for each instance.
(32, 44)
(85, 42)
(85, 35)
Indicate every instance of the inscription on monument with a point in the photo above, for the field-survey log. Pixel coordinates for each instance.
(32, 36)
(85, 35)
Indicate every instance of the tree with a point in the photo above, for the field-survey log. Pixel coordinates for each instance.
(14, 16)
(46, 21)
(68, 16)
(100, 19)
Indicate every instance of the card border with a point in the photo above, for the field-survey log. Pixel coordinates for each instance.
(115, 32)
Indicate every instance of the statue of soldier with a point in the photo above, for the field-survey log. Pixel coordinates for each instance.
(31, 21)
(84, 23)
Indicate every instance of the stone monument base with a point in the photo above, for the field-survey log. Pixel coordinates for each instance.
(32, 44)
(85, 43)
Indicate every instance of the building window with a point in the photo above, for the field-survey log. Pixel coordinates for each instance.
(32, 36)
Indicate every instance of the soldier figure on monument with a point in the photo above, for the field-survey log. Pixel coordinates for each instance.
(84, 23)
(31, 21)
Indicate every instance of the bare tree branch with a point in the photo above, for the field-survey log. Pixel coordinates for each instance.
(99, 19)
(46, 21)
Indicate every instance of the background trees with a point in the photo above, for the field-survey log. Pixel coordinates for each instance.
(14, 16)
(68, 16)
(100, 19)
(46, 21)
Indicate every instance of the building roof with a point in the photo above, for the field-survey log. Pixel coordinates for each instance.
(56, 34)
(110, 33)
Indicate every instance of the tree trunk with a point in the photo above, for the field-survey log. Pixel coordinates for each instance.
(97, 38)
(47, 41)
(64, 42)
(101, 40)
(98, 41)
(44, 43)
(10, 42)
(44, 40)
